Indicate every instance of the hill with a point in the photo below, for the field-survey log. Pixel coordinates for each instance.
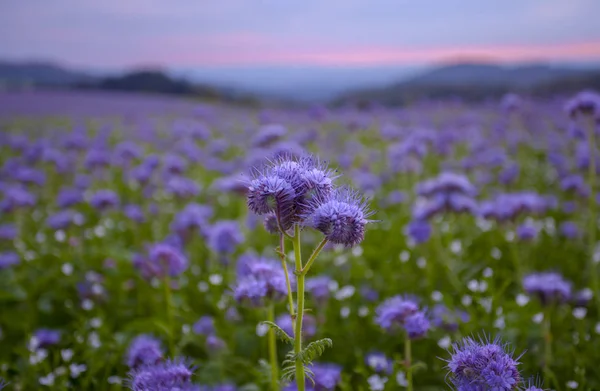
(472, 82)
(39, 73)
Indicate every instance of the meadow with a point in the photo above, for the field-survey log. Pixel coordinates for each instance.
(144, 237)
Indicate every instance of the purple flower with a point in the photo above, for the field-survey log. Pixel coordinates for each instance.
(225, 236)
(575, 184)
(46, 337)
(549, 287)
(97, 158)
(215, 344)
(527, 232)
(231, 184)
(270, 223)
(585, 103)
(392, 312)
(342, 218)
(268, 134)
(68, 197)
(259, 279)
(173, 374)
(446, 182)
(61, 220)
(194, 217)
(327, 376)
(268, 194)
(483, 365)
(164, 260)
(8, 259)
(28, 176)
(182, 187)
(419, 231)
(16, 197)
(144, 350)
(8, 232)
(104, 199)
(134, 213)
(379, 362)
(569, 230)
(174, 164)
(204, 326)
(416, 325)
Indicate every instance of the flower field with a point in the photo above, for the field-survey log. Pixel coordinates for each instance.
(154, 243)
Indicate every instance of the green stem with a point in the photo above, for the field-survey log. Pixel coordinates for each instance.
(300, 380)
(313, 256)
(592, 211)
(287, 276)
(169, 309)
(515, 258)
(547, 333)
(408, 363)
(272, 342)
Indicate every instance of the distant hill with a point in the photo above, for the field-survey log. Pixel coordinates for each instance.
(473, 82)
(39, 73)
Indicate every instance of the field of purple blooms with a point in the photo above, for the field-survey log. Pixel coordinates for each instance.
(151, 243)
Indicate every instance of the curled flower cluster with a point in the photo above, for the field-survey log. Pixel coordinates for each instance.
(483, 365)
(144, 350)
(300, 191)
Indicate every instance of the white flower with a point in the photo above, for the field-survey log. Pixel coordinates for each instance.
(47, 380)
(401, 379)
(466, 300)
(537, 318)
(445, 342)
(488, 272)
(67, 269)
(114, 380)
(262, 329)
(363, 311)
(436, 296)
(404, 256)
(345, 312)
(376, 382)
(96, 323)
(77, 369)
(66, 354)
(215, 279)
(202, 286)
(572, 384)
(421, 263)
(579, 313)
(345, 292)
(522, 299)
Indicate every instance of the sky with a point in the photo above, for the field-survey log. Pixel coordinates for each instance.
(219, 34)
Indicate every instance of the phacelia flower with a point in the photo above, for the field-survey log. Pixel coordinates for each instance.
(193, 218)
(342, 218)
(318, 287)
(46, 337)
(8, 232)
(483, 365)
(224, 236)
(393, 312)
(162, 260)
(259, 279)
(268, 194)
(104, 199)
(309, 325)
(444, 318)
(172, 374)
(144, 350)
(68, 197)
(8, 259)
(549, 287)
(419, 231)
(204, 326)
(379, 362)
(416, 325)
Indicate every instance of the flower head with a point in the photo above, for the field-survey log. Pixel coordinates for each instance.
(144, 350)
(549, 287)
(172, 374)
(416, 325)
(393, 312)
(483, 365)
(342, 218)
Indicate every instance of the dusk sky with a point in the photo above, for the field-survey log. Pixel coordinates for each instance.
(346, 33)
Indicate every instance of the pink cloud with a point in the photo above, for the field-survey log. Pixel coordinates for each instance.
(253, 50)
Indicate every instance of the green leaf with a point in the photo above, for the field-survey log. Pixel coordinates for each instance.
(281, 334)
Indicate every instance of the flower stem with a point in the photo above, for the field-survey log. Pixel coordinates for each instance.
(169, 309)
(300, 380)
(313, 256)
(592, 210)
(408, 363)
(287, 276)
(547, 333)
(272, 342)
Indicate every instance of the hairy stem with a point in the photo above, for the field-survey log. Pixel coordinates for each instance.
(314, 256)
(300, 380)
(169, 309)
(408, 363)
(272, 342)
(287, 276)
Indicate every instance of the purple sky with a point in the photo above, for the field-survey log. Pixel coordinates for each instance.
(189, 33)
